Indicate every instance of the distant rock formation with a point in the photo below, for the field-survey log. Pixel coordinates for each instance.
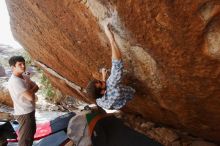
(2, 71)
(171, 53)
(4, 94)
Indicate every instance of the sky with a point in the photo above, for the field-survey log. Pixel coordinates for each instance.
(6, 37)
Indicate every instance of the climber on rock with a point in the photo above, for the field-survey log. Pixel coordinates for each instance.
(110, 93)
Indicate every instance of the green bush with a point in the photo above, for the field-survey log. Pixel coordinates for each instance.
(48, 91)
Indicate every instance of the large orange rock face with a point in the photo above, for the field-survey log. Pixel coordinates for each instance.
(171, 51)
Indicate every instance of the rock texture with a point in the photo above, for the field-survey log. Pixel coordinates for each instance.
(171, 53)
(4, 94)
(167, 136)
